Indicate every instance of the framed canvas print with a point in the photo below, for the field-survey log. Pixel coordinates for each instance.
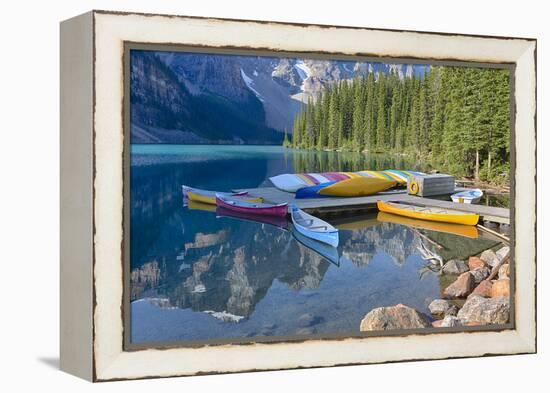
(246, 195)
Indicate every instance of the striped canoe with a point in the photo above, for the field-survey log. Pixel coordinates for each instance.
(291, 182)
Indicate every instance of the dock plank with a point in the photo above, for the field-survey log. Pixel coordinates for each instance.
(276, 196)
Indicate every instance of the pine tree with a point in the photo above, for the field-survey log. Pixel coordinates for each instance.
(438, 121)
(423, 118)
(370, 114)
(413, 126)
(395, 114)
(309, 125)
(381, 112)
(286, 143)
(296, 132)
(319, 121)
(333, 122)
(358, 115)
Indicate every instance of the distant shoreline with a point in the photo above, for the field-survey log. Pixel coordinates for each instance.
(209, 143)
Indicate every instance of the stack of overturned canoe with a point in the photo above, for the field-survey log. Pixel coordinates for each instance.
(364, 183)
(341, 184)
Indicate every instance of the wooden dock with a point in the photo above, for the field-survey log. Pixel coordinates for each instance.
(330, 205)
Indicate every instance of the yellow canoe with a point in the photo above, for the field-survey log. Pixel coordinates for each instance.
(357, 187)
(444, 227)
(209, 197)
(357, 224)
(193, 205)
(428, 213)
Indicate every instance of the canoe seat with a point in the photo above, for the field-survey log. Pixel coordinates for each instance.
(309, 224)
(318, 227)
(304, 222)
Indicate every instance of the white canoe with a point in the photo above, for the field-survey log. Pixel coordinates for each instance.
(324, 250)
(468, 196)
(314, 227)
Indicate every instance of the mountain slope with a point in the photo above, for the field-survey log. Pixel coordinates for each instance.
(184, 97)
(282, 85)
(163, 110)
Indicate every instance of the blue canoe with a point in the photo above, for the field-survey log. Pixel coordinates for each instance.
(314, 227)
(313, 191)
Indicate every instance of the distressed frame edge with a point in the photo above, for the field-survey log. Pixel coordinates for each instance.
(527, 64)
(304, 24)
(528, 341)
(76, 196)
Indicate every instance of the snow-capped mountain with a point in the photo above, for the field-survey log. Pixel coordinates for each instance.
(228, 93)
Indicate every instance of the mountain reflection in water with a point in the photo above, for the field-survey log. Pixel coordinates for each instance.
(196, 274)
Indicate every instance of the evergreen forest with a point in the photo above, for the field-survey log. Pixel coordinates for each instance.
(457, 119)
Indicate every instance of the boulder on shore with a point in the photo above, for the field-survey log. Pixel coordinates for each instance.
(455, 266)
(462, 287)
(483, 289)
(476, 263)
(500, 288)
(504, 271)
(503, 253)
(439, 308)
(485, 311)
(394, 317)
(480, 274)
(450, 321)
(489, 257)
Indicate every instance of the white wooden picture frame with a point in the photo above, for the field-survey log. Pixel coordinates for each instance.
(92, 194)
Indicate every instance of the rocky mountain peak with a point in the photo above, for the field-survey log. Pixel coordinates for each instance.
(193, 93)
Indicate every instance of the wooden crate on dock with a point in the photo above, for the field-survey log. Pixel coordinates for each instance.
(429, 185)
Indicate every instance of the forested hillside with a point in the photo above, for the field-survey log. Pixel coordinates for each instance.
(457, 118)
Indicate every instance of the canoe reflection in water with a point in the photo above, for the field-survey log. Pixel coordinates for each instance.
(327, 251)
(455, 229)
(238, 275)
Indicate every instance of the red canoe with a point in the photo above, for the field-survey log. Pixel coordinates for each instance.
(280, 222)
(265, 209)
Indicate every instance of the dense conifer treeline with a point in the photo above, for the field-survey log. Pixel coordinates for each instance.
(457, 118)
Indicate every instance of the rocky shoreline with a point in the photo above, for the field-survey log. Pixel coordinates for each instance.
(478, 294)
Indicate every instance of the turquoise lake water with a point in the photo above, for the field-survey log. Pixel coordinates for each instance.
(196, 275)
